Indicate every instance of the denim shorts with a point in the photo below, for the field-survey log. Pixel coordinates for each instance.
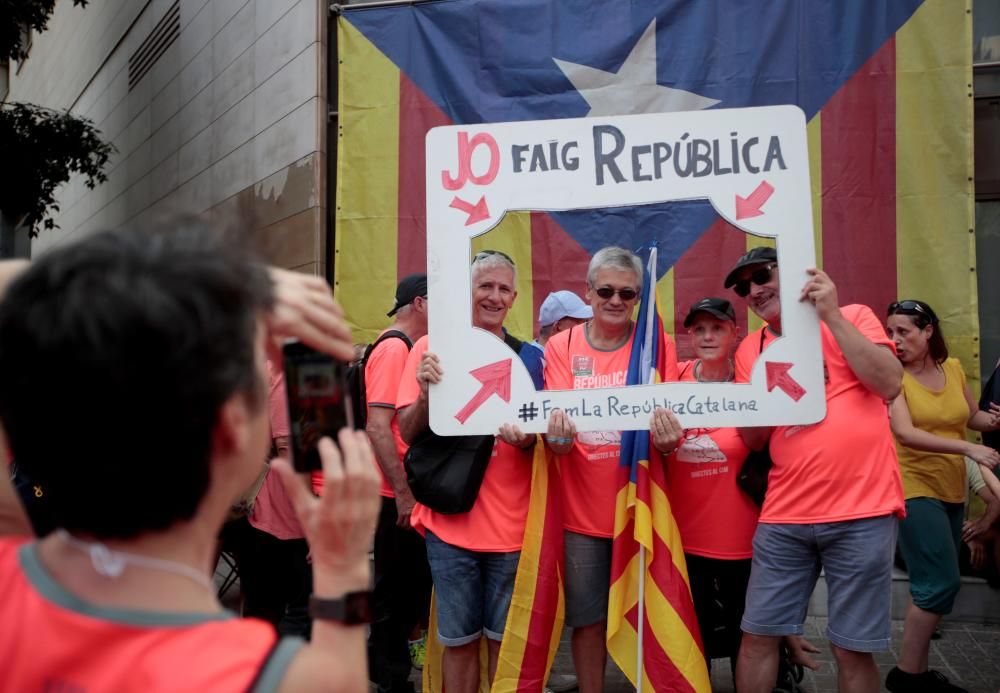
(472, 591)
(856, 557)
(588, 578)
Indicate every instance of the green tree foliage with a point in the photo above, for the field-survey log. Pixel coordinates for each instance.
(42, 149)
(18, 15)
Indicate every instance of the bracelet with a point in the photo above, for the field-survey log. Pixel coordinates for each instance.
(559, 440)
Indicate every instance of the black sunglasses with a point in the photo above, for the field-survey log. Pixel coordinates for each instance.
(759, 277)
(607, 292)
(913, 306)
(483, 254)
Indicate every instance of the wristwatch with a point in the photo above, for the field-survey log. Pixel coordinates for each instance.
(352, 609)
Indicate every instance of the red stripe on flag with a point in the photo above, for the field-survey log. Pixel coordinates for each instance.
(557, 261)
(662, 568)
(621, 559)
(700, 273)
(417, 115)
(859, 183)
(550, 568)
(653, 656)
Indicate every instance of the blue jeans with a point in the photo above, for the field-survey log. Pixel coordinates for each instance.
(472, 591)
(856, 556)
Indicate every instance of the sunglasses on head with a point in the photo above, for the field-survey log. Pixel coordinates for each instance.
(483, 254)
(607, 292)
(759, 276)
(912, 306)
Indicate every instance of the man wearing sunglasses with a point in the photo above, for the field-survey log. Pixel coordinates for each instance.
(834, 491)
(596, 354)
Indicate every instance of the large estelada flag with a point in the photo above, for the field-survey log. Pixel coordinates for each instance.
(884, 86)
(652, 627)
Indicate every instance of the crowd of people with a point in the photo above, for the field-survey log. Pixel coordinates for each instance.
(166, 336)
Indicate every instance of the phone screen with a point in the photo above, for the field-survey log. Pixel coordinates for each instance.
(318, 403)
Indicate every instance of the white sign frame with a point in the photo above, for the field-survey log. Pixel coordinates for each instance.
(477, 173)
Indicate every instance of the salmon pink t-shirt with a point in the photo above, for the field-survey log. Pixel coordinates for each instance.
(843, 467)
(51, 640)
(273, 511)
(590, 469)
(715, 518)
(382, 375)
(496, 521)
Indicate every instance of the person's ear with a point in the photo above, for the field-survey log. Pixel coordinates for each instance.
(232, 427)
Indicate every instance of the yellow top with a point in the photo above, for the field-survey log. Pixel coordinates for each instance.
(944, 413)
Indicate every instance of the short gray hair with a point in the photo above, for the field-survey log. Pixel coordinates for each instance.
(492, 259)
(615, 258)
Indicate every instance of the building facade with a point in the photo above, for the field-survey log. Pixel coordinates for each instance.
(216, 108)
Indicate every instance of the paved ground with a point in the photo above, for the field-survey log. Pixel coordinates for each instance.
(966, 654)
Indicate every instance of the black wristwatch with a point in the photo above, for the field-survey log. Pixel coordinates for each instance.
(354, 608)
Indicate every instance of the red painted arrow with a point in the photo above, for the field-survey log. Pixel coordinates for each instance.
(777, 376)
(747, 207)
(476, 212)
(495, 378)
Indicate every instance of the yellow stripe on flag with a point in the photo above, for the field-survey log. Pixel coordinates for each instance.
(522, 603)
(814, 138)
(665, 300)
(367, 182)
(935, 251)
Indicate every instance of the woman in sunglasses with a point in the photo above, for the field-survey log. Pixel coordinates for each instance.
(929, 419)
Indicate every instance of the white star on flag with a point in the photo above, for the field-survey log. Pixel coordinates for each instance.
(633, 89)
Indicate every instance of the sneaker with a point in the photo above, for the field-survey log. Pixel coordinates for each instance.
(561, 683)
(930, 681)
(418, 652)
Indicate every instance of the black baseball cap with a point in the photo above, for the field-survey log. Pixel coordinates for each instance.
(756, 256)
(409, 288)
(717, 307)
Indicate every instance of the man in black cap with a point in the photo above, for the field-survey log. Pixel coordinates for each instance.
(834, 490)
(402, 577)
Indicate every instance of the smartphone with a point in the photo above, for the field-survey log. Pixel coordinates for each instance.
(318, 401)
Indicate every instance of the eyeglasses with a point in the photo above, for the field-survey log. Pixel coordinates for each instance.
(759, 277)
(607, 292)
(914, 306)
(483, 254)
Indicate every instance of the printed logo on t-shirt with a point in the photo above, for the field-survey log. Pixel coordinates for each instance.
(702, 450)
(583, 365)
(589, 382)
(596, 444)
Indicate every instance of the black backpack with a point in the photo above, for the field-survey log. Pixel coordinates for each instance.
(355, 377)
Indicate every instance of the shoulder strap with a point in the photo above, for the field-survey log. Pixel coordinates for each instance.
(390, 334)
(513, 342)
(763, 333)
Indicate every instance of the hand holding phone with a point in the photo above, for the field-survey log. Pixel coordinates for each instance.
(318, 402)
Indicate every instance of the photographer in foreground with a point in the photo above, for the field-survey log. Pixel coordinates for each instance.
(133, 365)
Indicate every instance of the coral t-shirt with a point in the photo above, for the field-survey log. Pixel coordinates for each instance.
(944, 413)
(590, 470)
(843, 467)
(273, 511)
(715, 518)
(382, 375)
(496, 521)
(51, 640)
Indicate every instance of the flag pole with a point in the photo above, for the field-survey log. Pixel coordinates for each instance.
(647, 369)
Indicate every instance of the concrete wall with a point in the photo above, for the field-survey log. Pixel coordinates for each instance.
(230, 122)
